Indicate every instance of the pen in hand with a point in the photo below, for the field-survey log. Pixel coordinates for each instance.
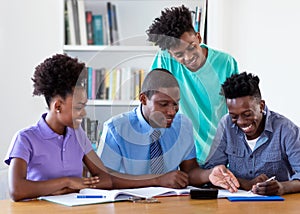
(270, 179)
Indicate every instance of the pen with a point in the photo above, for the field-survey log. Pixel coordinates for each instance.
(91, 196)
(270, 179)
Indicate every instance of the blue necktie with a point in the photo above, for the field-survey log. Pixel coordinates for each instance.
(156, 154)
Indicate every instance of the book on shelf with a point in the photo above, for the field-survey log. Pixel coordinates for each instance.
(115, 25)
(97, 22)
(106, 83)
(96, 196)
(94, 131)
(89, 86)
(118, 85)
(91, 128)
(196, 18)
(136, 84)
(71, 24)
(94, 90)
(112, 84)
(82, 22)
(141, 80)
(202, 23)
(106, 36)
(199, 17)
(75, 19)
(66, 23)
(86, 126)
(100, 83)
(89, 27)
(112, 24)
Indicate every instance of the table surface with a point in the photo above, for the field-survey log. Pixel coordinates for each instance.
(172, 205)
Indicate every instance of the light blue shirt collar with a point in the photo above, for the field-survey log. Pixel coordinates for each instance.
(145, 125)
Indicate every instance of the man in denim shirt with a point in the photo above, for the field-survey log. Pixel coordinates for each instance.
(254, 142)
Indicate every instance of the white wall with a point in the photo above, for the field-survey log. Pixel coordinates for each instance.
(264, 37)
(29, 32)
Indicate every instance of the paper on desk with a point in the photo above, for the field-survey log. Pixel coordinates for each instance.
(240, 193)
(113, 195)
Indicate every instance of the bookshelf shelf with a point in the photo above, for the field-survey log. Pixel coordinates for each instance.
(109, 48)
(113, 103)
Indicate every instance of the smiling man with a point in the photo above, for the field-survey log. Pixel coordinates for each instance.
(255, 142)
(199, 70)
(153, 139)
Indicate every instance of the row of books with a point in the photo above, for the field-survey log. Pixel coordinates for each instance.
(83, 27)
(116, 84)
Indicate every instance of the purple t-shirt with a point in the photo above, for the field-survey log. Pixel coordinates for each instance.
(49, 155)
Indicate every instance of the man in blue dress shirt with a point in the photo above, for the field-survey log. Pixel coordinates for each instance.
(126, 138)
(255, 142)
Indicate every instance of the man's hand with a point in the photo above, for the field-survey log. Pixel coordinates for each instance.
(272, 187)
(247, 184)
(222, 177)
(174, 179)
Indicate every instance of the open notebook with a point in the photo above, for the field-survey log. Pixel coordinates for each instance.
(95, 196)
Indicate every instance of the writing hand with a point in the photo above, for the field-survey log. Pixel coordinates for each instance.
(247, 184)
(268, 187)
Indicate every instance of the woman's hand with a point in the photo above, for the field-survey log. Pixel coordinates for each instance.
(81, 183)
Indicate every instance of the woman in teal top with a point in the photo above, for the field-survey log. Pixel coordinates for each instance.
(199, 70)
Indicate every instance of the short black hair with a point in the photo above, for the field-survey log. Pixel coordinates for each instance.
(156, 79)
(58, 75)
(241, 85)
(166, 30)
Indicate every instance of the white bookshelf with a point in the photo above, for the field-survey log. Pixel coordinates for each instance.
(133, 18)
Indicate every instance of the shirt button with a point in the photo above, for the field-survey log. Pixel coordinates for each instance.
(251, 156)
(250, 172)
(64, 149)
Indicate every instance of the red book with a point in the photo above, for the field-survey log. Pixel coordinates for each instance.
(89, 27)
